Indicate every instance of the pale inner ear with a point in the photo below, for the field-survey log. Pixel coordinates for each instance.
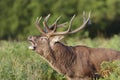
(55, 39)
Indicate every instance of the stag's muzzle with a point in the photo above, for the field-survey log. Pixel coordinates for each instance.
(31, 39)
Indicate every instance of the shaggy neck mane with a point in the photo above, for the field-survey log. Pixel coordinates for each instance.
(60, 58)
(64, 57)
(63, 52)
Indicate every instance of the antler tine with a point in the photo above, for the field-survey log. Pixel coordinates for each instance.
(37, 25)
(47, 17)
(57, 19)
(70, 23)
(82, 26)
(62, 25)
(55, 24)
(45, 23)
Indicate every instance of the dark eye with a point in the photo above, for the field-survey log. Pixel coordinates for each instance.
(43, 38)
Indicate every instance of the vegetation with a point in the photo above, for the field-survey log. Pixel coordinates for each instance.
(17, 17)
(110, 70)
(19, 63)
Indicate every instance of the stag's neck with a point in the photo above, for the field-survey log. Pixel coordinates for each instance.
(62, 52)
(64, 57)
(48, 55)
(60, 57)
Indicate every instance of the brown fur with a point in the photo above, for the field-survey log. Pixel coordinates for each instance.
(75, 62)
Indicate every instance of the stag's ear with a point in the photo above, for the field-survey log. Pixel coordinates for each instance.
(55, 39)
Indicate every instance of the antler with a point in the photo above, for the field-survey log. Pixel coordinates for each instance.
(38, 26)
(51, 31)
(74, 31)
(45, 23)
(53, 26)
(59, 25)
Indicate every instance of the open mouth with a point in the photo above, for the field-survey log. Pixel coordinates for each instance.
(33, 45)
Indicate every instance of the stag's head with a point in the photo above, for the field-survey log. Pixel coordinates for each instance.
(49, 36)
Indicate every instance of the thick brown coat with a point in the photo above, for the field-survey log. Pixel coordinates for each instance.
(78, 62)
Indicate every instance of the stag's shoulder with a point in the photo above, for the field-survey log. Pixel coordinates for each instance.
(81, 49)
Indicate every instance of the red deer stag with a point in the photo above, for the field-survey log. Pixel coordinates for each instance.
(75, 62)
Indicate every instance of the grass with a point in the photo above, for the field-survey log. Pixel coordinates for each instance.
(17, 62)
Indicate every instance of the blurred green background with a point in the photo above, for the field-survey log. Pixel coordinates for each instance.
(17, 22)
(17, 17)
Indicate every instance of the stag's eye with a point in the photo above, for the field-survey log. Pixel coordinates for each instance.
(43, 38)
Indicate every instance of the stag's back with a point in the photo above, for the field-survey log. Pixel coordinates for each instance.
(88, 60)
(99, 55)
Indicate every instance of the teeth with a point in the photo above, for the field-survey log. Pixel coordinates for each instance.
(31, 47)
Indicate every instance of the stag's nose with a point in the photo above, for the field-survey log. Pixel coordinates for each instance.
(30, 38)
